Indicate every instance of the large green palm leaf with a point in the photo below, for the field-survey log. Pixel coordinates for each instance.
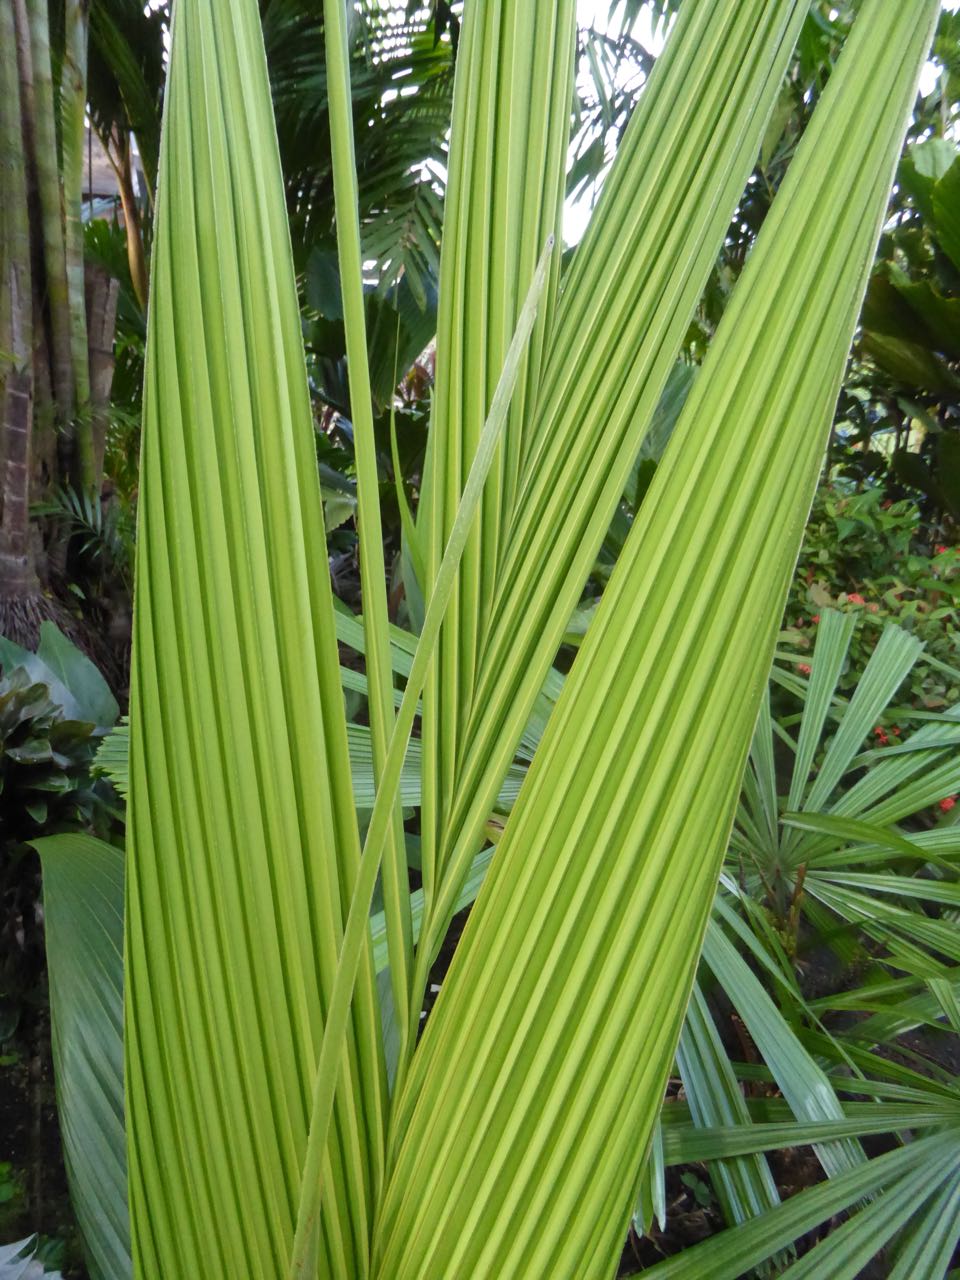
(518, 1129)
(243, 839)
(538, 1080)
(619, 324)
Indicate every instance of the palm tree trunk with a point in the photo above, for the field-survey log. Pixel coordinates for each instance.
(39, 100)
(19, 588)
(73, 93)
(102, 294)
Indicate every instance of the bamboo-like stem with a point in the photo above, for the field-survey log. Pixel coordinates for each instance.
(73, 92)
(102, 291)
(17, 577)
(136, 255)
(44, 137)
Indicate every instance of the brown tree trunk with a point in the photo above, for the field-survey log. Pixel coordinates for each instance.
(37, 97)
(102, 294)
(21, 609)
(22, 604)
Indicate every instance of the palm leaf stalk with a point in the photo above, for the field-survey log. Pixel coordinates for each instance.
(73, 114)
(541, 1070)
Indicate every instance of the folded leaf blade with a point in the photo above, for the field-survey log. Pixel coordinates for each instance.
(619, 324)
(242, 834)
(542, 1067)
(83, 927)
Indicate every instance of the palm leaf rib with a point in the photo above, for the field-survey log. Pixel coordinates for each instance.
(542, 1067)
(243, 841)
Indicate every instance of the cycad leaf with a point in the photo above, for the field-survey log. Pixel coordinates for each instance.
(243, 842)
(576, 964)
(83, 926)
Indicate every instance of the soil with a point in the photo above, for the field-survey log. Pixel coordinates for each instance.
(33, 1194)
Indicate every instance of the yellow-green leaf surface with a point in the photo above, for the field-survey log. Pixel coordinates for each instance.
(511, 122)
(243, 842)
(541, 1071)
(618, 326)
(372, 570)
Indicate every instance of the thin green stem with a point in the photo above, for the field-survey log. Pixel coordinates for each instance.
(356, 933)
(396, 891)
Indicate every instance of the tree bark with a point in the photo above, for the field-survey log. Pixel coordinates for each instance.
(19, 588)
(38, 100)
(102, 294)
(73, 96)
(136, 255)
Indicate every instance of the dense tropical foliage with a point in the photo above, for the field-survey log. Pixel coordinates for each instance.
(532, 846)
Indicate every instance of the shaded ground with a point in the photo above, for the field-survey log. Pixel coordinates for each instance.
(33, 1188)
(33, 1182)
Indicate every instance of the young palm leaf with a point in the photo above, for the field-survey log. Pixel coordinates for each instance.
(243, 840)
(612, 344)
(541, 1071)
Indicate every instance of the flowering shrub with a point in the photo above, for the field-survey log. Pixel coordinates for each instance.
(864, 553)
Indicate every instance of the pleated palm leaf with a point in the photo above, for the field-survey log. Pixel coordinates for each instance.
(263, 1137)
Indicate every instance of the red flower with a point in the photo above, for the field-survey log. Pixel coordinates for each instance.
(895, 731)
(942, 549)
(947, 803)
(881, 735)
(803, 668)
(815, 618)
(855, 598)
